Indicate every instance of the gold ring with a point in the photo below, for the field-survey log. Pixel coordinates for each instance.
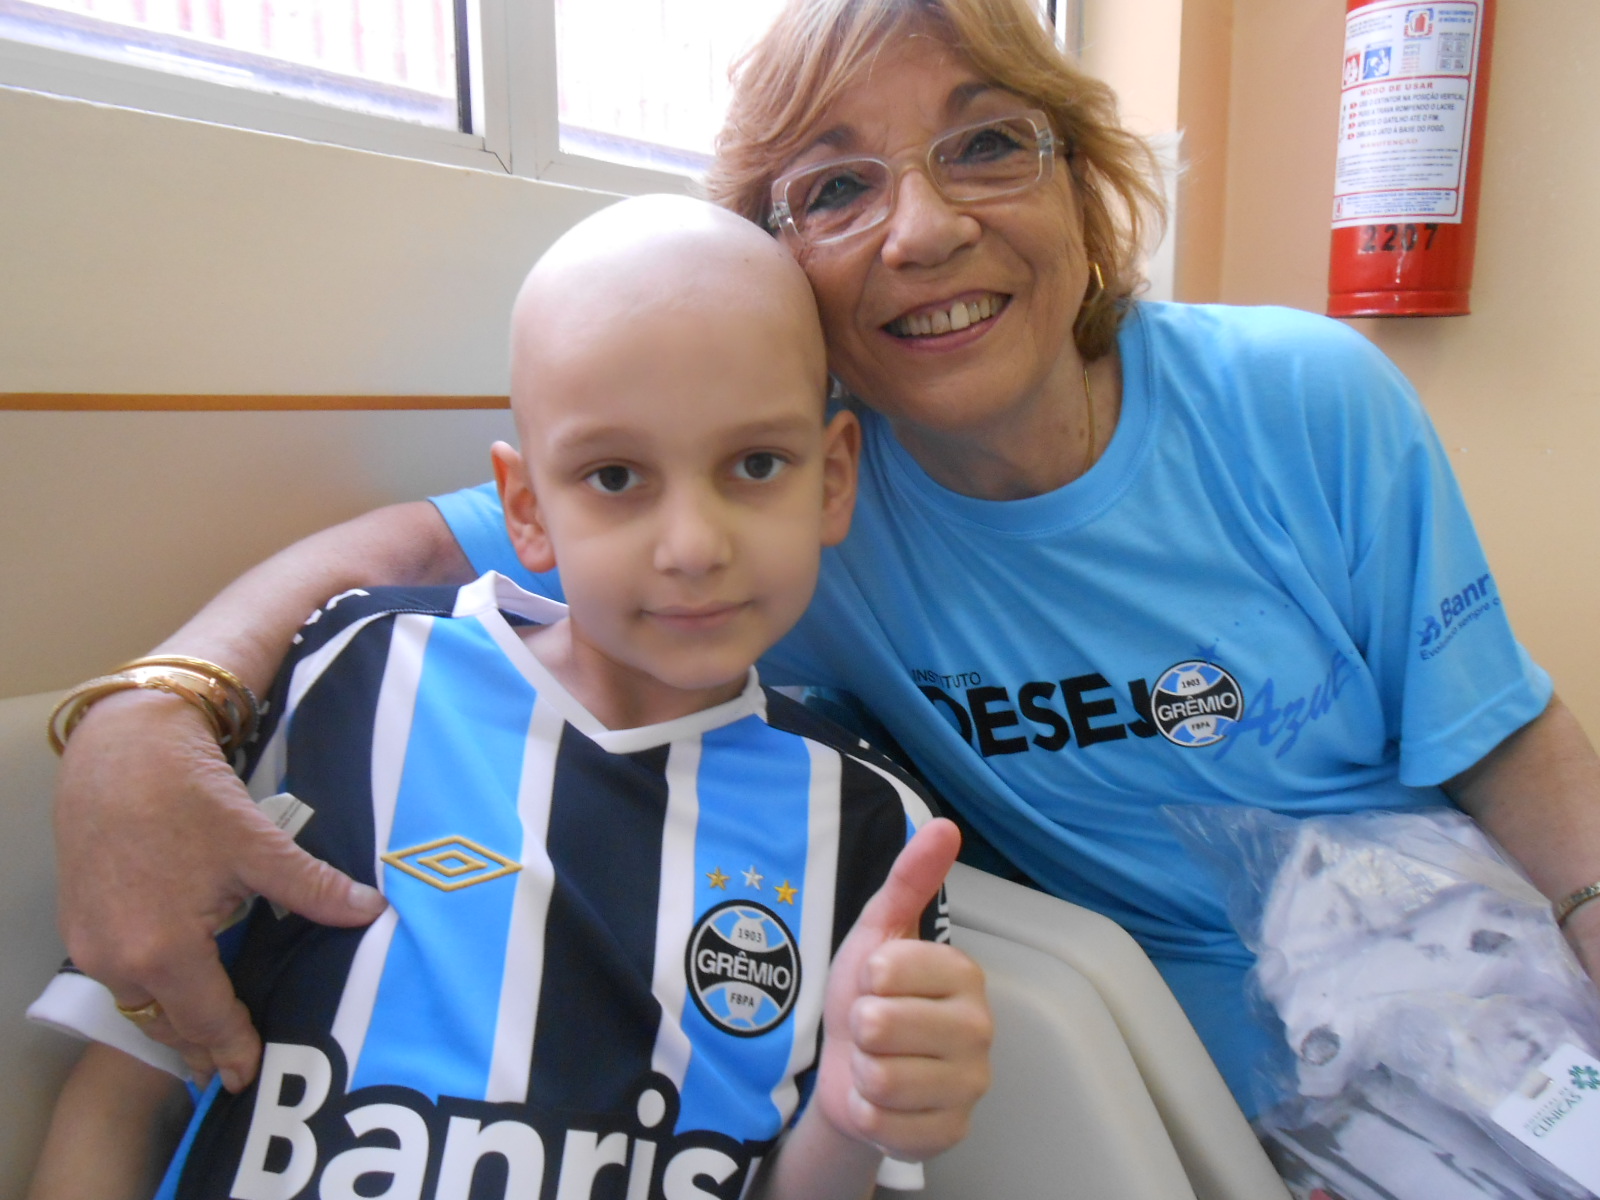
(141, 1013)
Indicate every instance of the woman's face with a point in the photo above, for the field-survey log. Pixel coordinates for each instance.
(1022, 254)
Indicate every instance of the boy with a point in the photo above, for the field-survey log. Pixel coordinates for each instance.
(618, 869)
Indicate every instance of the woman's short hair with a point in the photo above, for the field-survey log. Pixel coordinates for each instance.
(818, 48)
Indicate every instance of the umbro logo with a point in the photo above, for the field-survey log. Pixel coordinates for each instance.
(451, 863)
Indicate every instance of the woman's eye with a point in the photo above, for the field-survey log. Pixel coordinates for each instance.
(759, 467)
(988, 144)
(838, 190)
(612, 479)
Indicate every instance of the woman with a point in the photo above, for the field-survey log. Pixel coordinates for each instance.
(1108, 556)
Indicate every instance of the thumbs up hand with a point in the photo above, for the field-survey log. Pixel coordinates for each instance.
(906, 1024)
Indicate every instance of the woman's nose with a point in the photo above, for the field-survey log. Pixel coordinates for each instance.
(924, 228)
(694, 539)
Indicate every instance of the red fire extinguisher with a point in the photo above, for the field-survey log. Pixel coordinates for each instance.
(1411, 120)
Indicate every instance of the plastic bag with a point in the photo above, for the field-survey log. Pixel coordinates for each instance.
(1400, 951)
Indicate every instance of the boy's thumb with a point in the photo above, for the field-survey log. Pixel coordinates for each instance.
(914, 880)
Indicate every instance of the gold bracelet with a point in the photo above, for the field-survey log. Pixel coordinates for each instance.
(225, 690)
(187, 687)
(1565, 908)
(227, 704)
(66, 715)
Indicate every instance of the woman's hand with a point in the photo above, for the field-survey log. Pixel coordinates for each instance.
(1583, 931)
(907, 1030)
(160, 843)
(157, 841)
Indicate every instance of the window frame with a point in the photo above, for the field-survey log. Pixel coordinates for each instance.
(513, 96)
(512, 46)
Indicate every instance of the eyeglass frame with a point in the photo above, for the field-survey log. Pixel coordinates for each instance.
(781, 219)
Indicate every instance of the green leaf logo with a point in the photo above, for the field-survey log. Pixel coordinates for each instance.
(1585, 1077)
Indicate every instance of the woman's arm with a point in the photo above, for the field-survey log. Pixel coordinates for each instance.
(157, 841)
(115, 1125)
(1538, 794)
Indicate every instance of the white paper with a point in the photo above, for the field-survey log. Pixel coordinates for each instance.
(1556, 1113)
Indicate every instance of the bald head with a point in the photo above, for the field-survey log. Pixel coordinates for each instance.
(650, 260)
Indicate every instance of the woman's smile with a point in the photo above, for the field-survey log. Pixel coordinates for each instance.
(937, 320)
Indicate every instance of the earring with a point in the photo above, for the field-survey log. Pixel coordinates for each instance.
(1099, 278)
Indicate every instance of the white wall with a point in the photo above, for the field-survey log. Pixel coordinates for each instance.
(148, 254)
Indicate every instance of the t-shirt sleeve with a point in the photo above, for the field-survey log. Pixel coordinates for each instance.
(475, 518)
(1427, 611)
(74, 1004)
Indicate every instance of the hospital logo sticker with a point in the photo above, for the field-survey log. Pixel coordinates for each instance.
(743, 968)
(1196, 704)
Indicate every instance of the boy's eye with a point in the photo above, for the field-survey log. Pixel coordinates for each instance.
(612, 479)
(759, 467)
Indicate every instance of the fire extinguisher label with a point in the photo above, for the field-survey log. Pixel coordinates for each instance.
(1405, 112)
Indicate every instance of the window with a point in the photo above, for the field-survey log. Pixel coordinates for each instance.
(390, 58)
(624, 95)
(646, 81)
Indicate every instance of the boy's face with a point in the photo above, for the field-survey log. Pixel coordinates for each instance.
(684, 481)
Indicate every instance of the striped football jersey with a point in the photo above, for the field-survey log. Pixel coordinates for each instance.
(602, 971)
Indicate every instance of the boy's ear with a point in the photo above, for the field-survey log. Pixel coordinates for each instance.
(524, 522)
(841, 458)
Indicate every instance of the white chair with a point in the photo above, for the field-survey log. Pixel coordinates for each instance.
(32, 1060)
(1102, 1090)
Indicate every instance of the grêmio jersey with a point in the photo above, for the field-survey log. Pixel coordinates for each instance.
(1267, 591)
(602, 971)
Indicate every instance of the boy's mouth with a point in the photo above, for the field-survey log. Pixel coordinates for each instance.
(690, 617)
(952, 318)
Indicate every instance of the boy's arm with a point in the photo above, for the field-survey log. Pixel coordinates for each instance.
(156, 838)
(906, 1035)
(115, 1126)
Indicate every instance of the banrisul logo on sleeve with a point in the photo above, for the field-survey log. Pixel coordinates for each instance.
(1455, 611)
(744, 969)
(1196, 704)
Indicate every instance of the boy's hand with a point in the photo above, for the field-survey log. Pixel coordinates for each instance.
(905, 1052)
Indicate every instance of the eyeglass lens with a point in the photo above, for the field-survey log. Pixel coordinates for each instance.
(972, 163)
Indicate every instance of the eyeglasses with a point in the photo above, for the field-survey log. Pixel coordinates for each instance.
(828, 201)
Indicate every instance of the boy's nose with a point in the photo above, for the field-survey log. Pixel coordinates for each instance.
(694, 539)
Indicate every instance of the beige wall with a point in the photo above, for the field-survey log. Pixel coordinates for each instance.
(1134, 46)
(1515, 387)
(142, 253)
(148, 254)
(1204, 87)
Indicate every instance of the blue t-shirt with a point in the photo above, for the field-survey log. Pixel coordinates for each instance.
(1267, 591)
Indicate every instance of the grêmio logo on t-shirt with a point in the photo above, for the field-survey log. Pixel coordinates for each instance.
(1192, 704)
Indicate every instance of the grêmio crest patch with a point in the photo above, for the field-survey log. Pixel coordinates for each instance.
(1196, 703)
(743, 968)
